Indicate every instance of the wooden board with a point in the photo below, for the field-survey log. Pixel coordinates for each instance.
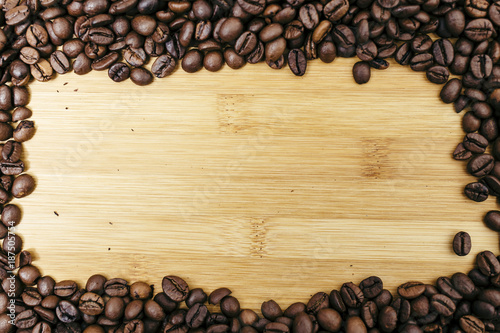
(273, 185)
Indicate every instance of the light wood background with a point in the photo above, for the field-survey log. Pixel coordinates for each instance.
(272, 185)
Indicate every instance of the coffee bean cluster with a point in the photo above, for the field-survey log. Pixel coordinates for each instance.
(468, 303)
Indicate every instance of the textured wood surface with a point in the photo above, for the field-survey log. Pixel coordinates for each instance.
(272, 185)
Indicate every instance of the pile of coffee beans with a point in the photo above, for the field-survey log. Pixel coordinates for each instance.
(454, 42)
(468, 303)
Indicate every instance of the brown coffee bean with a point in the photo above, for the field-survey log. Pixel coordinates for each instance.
(462, 243)
(141, 76)
(175, 288)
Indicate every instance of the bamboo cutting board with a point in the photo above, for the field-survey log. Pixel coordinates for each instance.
(272, 185)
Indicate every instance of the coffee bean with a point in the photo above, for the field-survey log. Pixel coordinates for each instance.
(335, 9)
(141, 76)
(476, 191)
(481, 66)
(451, 91)
(387, 319)
(352, 295)
(455, 22)
(317, 302)
(479, 30)
(91, 304)
(308, 15)
(443, 52)
(443, 304)
(438, 74)
(23, 186)
(119, 72)
(234, 60)
(213, 61)
(24, 131)
(64, 288)
(303, 323)
(470, 123)
(421, 62)
(17, 15)
(471, 324)
(175, 288)
(105, 62)
(59, 62)
(82, 64)
(355, 324)
(67, 312)
(411, 290)
(462, 243)
(196, 315)
(276, 328)
(480, 165)
(246, 43)
(487, 263)
(11, 151)
(42, 71)
(476, 143)
(297, 62)
(361, 72)
(371, 286)
(115, 308)
(26, 319)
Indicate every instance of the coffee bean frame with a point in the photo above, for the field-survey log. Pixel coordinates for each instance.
(467, 303)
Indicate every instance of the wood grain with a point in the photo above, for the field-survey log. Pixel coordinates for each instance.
(272, 185)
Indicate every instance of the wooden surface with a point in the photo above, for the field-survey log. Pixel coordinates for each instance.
(275, 186)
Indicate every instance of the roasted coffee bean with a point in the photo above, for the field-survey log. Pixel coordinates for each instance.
(411, 290)
(175, 288)
(476, 191)
(271, 310)
(491, 219)
(82, 64)
(91, 304)
(17, 15)
(213, 61)
(455, 22)
(421, 62)
(101, 35)
(462, 243)
(326, 51)
(59, 62)
(119, 72)
(24, 131)
(371, 286)
(317, 302)
(438, 74)
(443, 52)
(26, 319)
(387, 319)
(20, 96)
(67, 312)
(196, 315)
(11, 168)
(451, 91)
(487, 263)
(479, 30)
(105, 62)
(481, 66)
(480, 165)
(352, 295)
(297, 62)
(476, 143)
(65, 289)
(308, 15)
(163, 66)
(141, 76)
(443, 304)
(361, 72)
(421, 44)
(471, 324)
(29, 274)
(42, 70)
(246, 43)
